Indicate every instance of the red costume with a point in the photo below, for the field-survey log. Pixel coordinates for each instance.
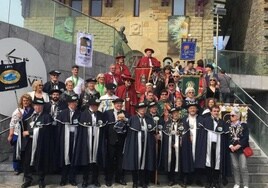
(109, 78)
(130, 97)
(145, 62)
(121, 69)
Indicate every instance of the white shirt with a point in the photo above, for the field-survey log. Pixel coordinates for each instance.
(78, 84)
(106, 102)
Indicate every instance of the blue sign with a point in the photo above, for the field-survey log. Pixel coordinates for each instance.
(188, 50)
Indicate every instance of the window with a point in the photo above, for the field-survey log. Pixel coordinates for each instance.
(178, 7)
(136, 8)
(77, 5)
(96, 8)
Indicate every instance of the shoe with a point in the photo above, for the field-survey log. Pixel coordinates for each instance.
(171, 183)
(245, 186)
(236, 186)
(62, 183)
(144, 186)
(135, 185)
(16, 173)
(216, 185)
(120, 181)
(26, 184)
(108, 183)
(199, 183)
(42, 184)
(73, 183)
(97, 183)
(84, 184)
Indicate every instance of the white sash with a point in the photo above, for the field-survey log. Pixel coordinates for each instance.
(34, 144)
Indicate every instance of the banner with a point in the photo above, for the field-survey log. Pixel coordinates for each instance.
(142, 76)
(84, 50)
(188, 50)
(13, 76)
(226, 108)
(190, 81)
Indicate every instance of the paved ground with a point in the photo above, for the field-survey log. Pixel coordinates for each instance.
(10, 185)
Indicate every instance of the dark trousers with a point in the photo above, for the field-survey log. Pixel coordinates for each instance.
(140, 177)
(27, 169)
(95, 173)
(212, 174)
(114, 163)
(69, 171)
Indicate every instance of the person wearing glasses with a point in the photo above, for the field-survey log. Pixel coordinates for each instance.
(177, 80)
(239, 136)
(54, 82)
(172, 92)
(213, 90)
(37, 92)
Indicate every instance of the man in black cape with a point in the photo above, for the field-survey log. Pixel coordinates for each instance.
(172, 133)
(216, 148)
(116, 133)
(37, 144)
(67, 121)
(54, 82)
(193, 146)
(139, 149)
(90, 143)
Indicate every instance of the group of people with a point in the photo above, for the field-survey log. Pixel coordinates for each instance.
(102, 123)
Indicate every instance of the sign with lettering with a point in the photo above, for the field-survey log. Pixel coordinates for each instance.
(16, 54)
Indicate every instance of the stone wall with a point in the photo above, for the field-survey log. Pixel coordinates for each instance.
(55, 53)
(150, 29)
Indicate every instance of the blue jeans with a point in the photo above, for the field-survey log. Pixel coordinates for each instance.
(240, 168)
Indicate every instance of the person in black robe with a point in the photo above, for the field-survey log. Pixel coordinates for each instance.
(193, 146)
(157, 81)
(172, 132)
(54, 82)
(139, 149)
(89, 93)
(159, 122)
(55, 105)
(90, 148)
(116, 133)
(217, 148)
(67, 122)
(36, 144)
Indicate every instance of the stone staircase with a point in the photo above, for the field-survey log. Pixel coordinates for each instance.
(257, 164)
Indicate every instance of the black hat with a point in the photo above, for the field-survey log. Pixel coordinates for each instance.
(119, 56)
(110, 86)
(54, 72)
(38, 101)
(149, 49)
(127, 77)
(91, 80)
(167, 60)
(54, 91)
(175, 109)
(118, 100)
(141, 105)
(151, 104)
(192, 103)
(171, 81)
(156, 69)
(93, 101)
(210, 66)
(72, 98)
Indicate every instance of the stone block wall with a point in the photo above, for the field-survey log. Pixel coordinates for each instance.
(55, 53)
(150, 29)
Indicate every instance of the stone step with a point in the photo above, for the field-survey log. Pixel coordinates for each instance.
(258, 168)
(257, 160)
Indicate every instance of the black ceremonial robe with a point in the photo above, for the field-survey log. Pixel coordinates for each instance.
(131, 159)
(63, 120)
(40, 131)
(222, 129)
(188, 162)
(82, 149)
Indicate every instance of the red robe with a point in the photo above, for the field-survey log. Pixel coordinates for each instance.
(130, 97)
(109, 78)
(119, 70)
(144, 62)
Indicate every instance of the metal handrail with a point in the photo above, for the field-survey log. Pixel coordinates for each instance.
(6, 118)
(4, 131)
